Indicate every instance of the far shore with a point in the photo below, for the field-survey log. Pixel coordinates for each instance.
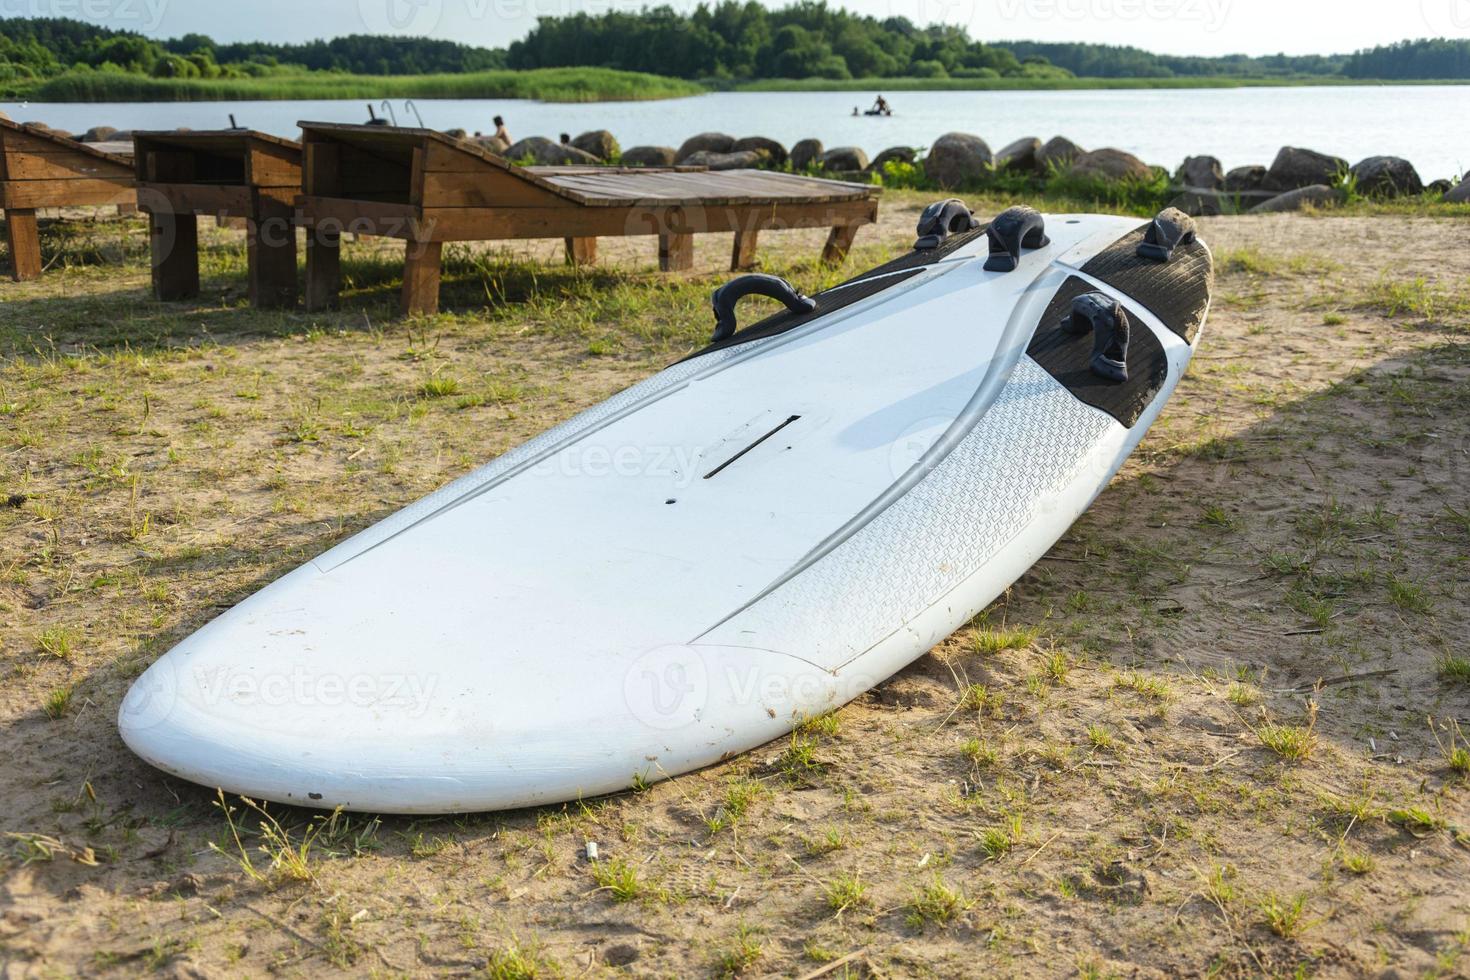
(583, 85)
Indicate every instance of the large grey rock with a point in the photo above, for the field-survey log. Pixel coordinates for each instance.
(99, 134)
(899, 154)
(649, 156)
(1295, 167)
(1057, 154)
(709, 142)
(1110, 164)
(1387, 177)
(1459, 194)
(492, 144)
(957, 158)
(1245, 178)
(1440, 187)
(599, 143)
(775, 151)
(1198, 201)
(805, 153)
(744, 160)
(1313, 195)
(1202, 172)
(845, 158)
(1019, 156)
(546, 153)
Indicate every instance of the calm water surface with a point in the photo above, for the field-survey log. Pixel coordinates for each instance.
(1240, 126)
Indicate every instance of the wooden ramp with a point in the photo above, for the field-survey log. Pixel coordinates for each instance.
(229, 173)
(427, 188)
(39, 169)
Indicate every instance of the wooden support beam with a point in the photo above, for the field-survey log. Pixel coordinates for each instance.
(421, 278)
(839, 240)
(25, 243)
(270, 254)
(742, 255)
(675, 253)
(323, 268)
(581, 251)
(174, 244)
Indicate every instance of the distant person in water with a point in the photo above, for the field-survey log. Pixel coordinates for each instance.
(881, 107)
(500, 132)
(856, 111)
(566, 139)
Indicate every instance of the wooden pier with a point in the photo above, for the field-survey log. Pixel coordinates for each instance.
(228, 173)
(427, 189)
(39, 169)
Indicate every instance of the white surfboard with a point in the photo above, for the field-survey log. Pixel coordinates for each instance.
(753, 536)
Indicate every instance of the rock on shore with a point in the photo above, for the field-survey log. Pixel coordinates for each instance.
(957, 158)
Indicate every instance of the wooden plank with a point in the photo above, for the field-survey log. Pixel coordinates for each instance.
(416, 177)
(323, 268)
(61, 166)
(63, 193)
(165, 166)
(742, 255)
(25, 243)
(675, 252)
(421, 278)
(267, 165)
(581, 251)
(174, 244)
(485, 189)
(234, 200)
(270, 243)
(321, 171)
(370, 218)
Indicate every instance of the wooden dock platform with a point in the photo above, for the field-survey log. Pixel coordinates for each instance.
(427, 189)
(229, 173)
(39, 169)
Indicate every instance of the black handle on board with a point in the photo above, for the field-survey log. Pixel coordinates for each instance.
(723, 300)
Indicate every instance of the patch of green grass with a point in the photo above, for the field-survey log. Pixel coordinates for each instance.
(997, 842)
(1407, 595)
(799, 761)
(1452, 669)
(619, 878)
(1294, 743)
(740, 955)
(58, 641)
(439, 386)
(844, 892)
(982, 755)
(936, 903)
(1152, 688)
(1415, 820)
(57, 702)
(1287, 918)
(1358, 863)
(515, 962)
(998, 640)
(981, 699)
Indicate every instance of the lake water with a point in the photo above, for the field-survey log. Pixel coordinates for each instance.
(1240, 126)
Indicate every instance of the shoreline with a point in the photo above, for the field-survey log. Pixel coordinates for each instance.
(584, 85)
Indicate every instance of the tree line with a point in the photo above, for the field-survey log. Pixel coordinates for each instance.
(728, 40)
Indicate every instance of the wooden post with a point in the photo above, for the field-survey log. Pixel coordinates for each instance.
(581, 251)
(270, 253)
(323, 267)
(174, 243)
(675, 252)
(421, 278)
(838, 242)
(742, 255)
(25, 243)
(127, 210)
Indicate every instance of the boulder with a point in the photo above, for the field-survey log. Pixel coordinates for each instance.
(900, 154)
(456, 133)
(1057, 154)
(1019, 156)
(1245, 179)
(99, 134)
(775, 151)
(1110, 164)
(5, 116)
(1459, 194)
(1202, 172)
(744, 160)
(546, 153)
(1313, 195)
(1440, 187)
(1387, 177)
(1197, 201)
(845, 158)
(493, 144)
(711, 142)
(957, 158)
(1295, 167)
(649, 156)
(805, 153)
(598, 143)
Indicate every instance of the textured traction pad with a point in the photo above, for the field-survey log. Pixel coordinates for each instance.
(1066, 357)
(1177, 291)
(859, 287)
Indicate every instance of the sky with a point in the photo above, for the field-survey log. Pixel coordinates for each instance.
(1204, 27)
